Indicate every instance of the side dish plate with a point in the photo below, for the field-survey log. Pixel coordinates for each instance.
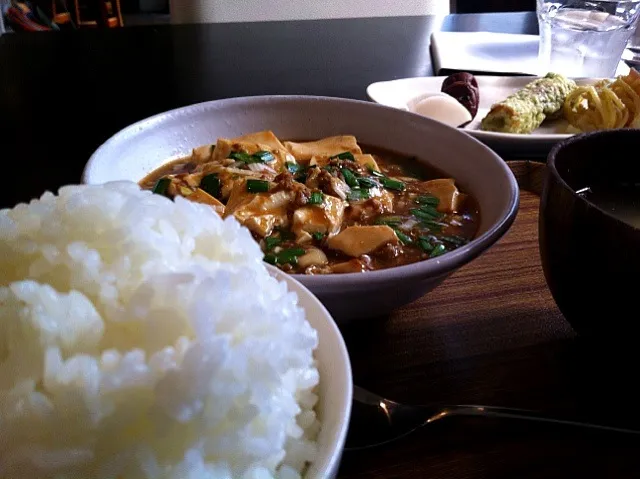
(402, 93)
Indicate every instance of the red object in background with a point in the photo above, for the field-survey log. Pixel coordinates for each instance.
(21, 18)
(47, 15)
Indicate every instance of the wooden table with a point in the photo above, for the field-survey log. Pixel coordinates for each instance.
(490, 334)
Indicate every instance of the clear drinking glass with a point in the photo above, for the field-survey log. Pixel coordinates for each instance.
(634, 43)
(585, 38)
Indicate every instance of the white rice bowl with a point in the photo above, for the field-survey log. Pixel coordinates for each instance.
(144, 338)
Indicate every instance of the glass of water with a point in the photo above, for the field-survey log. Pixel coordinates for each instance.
(634, 43)
(585, 38)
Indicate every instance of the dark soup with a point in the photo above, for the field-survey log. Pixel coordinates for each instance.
(325, 206)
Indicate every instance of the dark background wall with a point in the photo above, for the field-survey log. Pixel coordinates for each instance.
(480, 6)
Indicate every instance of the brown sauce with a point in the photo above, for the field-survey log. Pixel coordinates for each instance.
(411, 218)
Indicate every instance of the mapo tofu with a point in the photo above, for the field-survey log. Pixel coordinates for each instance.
(325, 206)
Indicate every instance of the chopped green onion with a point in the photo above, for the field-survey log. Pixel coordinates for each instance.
(455, 240)
(161, 186)
(271, 242)
(365, 182)
(434, 226)
(289, 255)
(241, 156)
(349, 177)
(257, 186)
(428, 200)
(404, 239)
(424, 215)
(374, 172)
(347, 155)
(271, 258)
(264, 156)
(389, 220)
(358, 195)
(259, 157)
(318, 236)
(438, 250)
(316, 198)
(285, 256)
(430, 210)
(211, 184)
(425, 244)
(390, 184)
(293, 167)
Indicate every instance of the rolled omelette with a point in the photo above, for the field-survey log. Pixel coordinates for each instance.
(526, 109)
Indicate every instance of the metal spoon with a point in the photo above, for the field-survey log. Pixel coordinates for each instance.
(388, 420)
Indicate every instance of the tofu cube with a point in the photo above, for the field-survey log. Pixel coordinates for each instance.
(202, 154)
(201, 196)
(445, 190)
(326, 147)
(325, 218)
(358, 240)
(253, 143)
(260, 212)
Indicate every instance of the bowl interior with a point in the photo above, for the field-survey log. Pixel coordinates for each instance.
(600, 169)
(334, 408)
(146, 145)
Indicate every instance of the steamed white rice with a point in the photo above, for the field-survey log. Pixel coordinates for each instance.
(143, 338)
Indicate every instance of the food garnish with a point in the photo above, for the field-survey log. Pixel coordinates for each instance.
(526, 109)
(325, 206)
(463, 87)
(605, 105)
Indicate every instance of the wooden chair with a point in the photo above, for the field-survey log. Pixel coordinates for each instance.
(60, 14)
(93, 13)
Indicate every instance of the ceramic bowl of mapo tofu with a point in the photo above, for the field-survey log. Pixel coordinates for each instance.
(370, 207)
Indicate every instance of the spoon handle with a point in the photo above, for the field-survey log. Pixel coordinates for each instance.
(524, 414)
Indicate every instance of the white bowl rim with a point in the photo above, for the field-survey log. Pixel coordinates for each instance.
(435, 267)
(329, 463)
